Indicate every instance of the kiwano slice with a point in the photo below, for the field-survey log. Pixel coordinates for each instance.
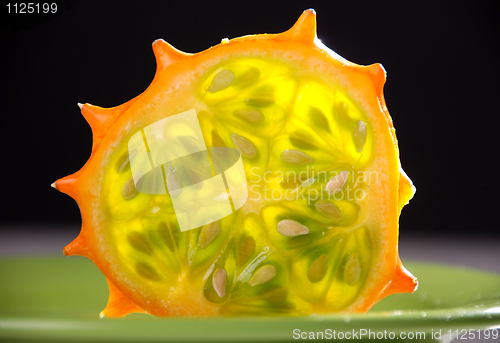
(316, 228)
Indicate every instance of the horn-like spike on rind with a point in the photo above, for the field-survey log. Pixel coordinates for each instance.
(118, 305)
(66, 184)
(304, 30)
(100, 118)
(406, 190)
(377, 74)
(166, 54)
(402, 282)
(97, 117)
(77, 247)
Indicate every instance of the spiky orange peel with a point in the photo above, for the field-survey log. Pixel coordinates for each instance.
(318, 232)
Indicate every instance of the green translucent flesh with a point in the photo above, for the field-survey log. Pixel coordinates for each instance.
(304, 132)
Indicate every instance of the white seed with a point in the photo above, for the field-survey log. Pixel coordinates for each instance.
(208, 233)
(337, 182)
(328, 209)
(123, 163)
(291, 228)
(262, 100)
(173, 183)
(306, 184)
(251, 115)
(244, 146)
(219, 280)
(221, 81)
(129, 191)
(216, 140)
(352, 270)
(296, 157)
(263, 275)
(359, 135)
(245, 250)
(317, 269)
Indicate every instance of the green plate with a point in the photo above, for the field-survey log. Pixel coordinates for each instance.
(57, 299)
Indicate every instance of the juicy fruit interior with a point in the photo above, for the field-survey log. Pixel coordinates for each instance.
(301, 243)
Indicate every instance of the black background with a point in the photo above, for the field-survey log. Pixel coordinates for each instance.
(442, 59)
